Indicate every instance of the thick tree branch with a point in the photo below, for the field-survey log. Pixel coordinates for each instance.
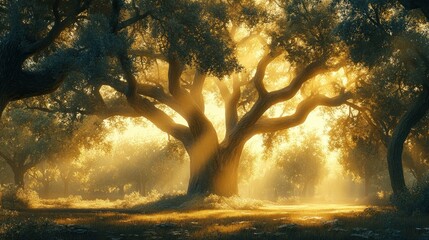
(300, 115)
(58, 27)
(310, 71)
(30, 84)
(155, 92)
(231, 114)
(260, 71)
(262, 104)
(197, 89)
(146, 108)
(175, 70)
(160, 119)
(199, 125)
(141, 105)
(223, 90)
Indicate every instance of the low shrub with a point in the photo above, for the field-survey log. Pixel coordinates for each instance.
(35, 229)
(17, 198)
(415, 201)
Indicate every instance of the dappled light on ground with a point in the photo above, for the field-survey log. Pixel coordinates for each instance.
(268, 221)
(304, 213)
(217, 222)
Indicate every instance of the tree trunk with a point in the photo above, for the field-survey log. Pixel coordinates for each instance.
(141, 184)
(18, 176)
(47, 189)
(121, 190)
(304, 190)
(416, 169)
(396, 145)
(66, 187)
(367, 186)
(219, 175)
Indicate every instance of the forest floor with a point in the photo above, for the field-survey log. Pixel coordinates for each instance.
(266, 221)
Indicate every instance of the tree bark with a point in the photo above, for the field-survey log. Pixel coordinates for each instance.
(218, 175)
(18, 176)
(396, 145)
(416, 169)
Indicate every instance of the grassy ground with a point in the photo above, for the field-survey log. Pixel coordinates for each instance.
(266, 222)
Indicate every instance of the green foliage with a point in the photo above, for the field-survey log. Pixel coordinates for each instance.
(194, 33)
(99, 45)
(14, 198)
(361, 150)
(141, 167)
(390, 45)
(29, 228)
(307, 32)
(26, 142)
(375, 31)
(367, 28)
(300, 168)
(416, 201)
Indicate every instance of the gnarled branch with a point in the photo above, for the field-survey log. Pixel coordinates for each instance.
(260, 71)
(300, 115)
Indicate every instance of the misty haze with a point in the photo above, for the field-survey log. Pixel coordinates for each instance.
(219, 119)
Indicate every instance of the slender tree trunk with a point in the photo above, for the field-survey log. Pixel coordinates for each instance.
(121, 190)
(367, 185)
(304, 190)
(66, 187)
(396, 145)
(141, 184)
(18, 176)
(47, 189)
(144, 188)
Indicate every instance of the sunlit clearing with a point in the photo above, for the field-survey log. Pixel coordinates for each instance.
(308, 213)
(261, 182)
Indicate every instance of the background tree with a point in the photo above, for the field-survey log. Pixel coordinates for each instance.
(142, 167)
(26, 143)
(378, 39)
(43, 176)
(34, 57)
(361, 154)
(303, 166)
(374, 114)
